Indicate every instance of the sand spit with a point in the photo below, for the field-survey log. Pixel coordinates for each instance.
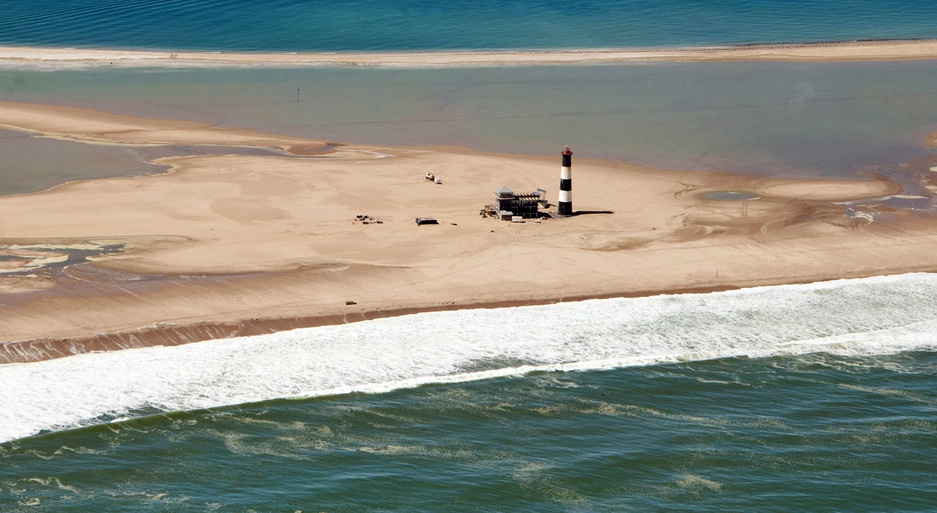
(833, 51)
(227, 245)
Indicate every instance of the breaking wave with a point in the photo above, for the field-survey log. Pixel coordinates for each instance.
(882, 315)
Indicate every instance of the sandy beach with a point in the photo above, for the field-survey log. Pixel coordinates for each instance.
(833, 51)
(237, 244)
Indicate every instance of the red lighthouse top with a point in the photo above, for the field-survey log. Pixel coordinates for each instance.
(567, 151)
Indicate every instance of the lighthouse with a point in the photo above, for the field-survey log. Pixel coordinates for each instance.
(565, 204)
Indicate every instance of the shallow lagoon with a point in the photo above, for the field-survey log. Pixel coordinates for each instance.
(790, 119)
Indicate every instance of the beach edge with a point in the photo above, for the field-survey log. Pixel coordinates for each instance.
(872, 50)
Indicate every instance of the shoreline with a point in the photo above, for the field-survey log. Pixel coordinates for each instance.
(231, 244)
(871, 50)
(168, 334)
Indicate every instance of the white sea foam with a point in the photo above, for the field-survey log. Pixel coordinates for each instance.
(850, 317)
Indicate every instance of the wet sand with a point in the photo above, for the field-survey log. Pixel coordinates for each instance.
(235, 244)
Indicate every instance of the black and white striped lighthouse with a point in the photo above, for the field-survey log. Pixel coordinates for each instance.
(565, 204)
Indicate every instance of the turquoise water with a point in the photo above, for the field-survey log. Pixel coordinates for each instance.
(317, 25)
(807, 397)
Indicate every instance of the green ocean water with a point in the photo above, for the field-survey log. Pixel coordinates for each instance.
(804, 433)
(804, 397)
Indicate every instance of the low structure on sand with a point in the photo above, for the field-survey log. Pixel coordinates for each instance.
(510, 206)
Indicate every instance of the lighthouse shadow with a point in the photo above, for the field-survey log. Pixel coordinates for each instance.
(591, 212)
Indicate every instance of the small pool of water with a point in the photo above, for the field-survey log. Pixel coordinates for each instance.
(730, 196)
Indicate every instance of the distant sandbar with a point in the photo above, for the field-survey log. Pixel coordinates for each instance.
(832, 51)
